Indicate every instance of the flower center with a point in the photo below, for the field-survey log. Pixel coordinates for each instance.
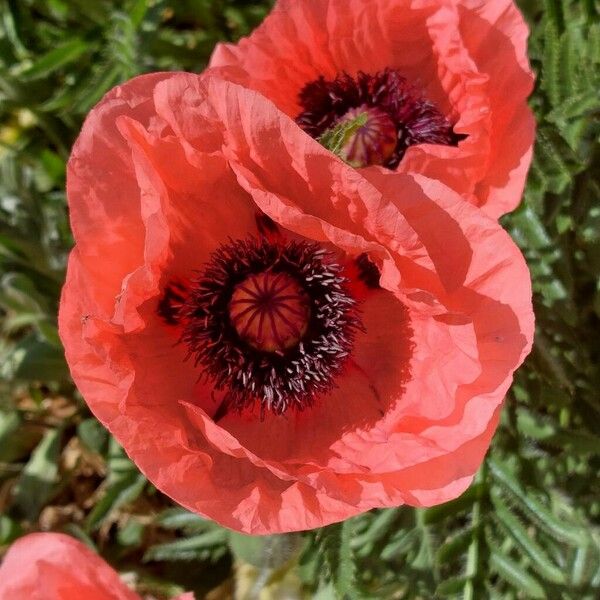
(270, 311)
(269, 321)
(374, 142)
(398, 116)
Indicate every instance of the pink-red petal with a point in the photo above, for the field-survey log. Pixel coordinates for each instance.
(53, 566)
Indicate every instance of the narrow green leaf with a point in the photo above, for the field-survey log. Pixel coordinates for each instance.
(400, 545)
(582, 557)
(335, 544)
(551, 65)
(452, 586)
(12, 30)
(138, 11)
(10, 530)
(379, 527)
(535, 509)
(268, 552)
(533, 425)
(77, 532)
(539, 559)
(325, 592)
(555, 12)
(17, 439)
(56, 59)
(118, 494)
(38, 481)
(453, 549)
(199, 547)
(93, 435)
(91, 93)
(574, 442)
(131, 534)
(516, 575)
(10, 423)
(575, 106)
(179, 518)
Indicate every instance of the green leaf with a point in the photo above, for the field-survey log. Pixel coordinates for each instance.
(335, 545)
(584, 565)
(17, 438)
(516, 575)
(248, 548)
(378, 528)
(57, 58)
(138, 11)
(78, 533)
(537, 555)
(453, 549)
(10, 530)
(554, 10)
(90, 94)
(325, 592)
(123, 485)
(575, 106)
(39, 479)
(452, 586)
(551, 69)
(121, 492)
(93, 435)
(131, 534)
(400, 544)
(209, 545)
(35, 360)
(10, 423)
(534, 509)
(179, 518)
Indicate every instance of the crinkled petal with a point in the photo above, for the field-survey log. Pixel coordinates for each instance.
(53, 566)
(495, 35)
(418, 402)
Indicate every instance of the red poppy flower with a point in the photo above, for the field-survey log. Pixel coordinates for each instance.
(443, 85)
(278, 340)
(53, 566)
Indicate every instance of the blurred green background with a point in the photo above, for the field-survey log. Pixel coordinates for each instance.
(528, 526)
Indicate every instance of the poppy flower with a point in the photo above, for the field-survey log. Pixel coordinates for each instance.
(278, 340)
(53, 566)
(443, 86)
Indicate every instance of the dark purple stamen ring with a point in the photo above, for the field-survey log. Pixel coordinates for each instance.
(417, 120)
(270, 323)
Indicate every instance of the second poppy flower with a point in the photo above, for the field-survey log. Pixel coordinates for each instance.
(442, 86)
